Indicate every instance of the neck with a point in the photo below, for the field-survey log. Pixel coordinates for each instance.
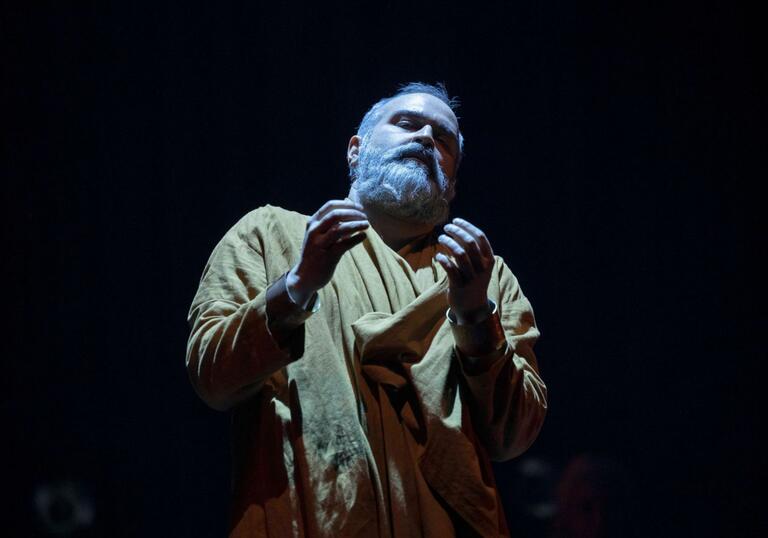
(396, 233)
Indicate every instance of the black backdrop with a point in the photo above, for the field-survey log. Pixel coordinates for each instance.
(613, 156)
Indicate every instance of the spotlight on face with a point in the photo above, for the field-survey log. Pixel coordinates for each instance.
(407, 162)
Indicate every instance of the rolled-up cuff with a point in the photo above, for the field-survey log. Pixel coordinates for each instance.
(486, 337)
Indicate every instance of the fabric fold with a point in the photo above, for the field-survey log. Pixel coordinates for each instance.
(408, 351)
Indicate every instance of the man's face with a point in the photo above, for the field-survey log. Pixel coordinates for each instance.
(406, 165)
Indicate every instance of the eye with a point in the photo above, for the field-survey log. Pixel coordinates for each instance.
(405, 123)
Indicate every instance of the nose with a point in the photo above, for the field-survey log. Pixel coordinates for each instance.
(424, 136)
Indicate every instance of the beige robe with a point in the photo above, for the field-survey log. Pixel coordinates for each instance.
(368, 424)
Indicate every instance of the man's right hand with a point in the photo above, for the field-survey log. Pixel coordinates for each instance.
(331, 231)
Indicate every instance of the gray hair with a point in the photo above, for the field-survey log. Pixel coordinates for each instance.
(438, 90)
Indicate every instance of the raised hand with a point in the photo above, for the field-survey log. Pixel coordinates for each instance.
(469, 268)
(331, 231)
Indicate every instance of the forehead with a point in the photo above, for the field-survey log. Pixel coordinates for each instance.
(422, 104)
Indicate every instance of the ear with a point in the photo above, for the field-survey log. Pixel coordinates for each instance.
(353, 150)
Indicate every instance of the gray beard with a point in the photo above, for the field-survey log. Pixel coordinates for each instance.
(402, 187)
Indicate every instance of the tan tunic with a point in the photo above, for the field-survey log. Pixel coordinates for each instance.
(368, 424)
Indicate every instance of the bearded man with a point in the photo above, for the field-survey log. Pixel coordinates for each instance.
(375, 358)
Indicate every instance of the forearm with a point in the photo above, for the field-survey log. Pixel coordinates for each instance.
(505, 395)
(233, 349)
(507, 401)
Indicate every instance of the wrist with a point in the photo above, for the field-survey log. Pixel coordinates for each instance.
(480, 339)
(298, 292)
(473, 314)
(285, 316)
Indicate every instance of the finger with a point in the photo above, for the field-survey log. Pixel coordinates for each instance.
(346, 243)
(478, 234)
(332, 204)
(347, 228)
(336, 204)
(455, 278)
(342, 231)
(460, 255)
(466, 240)
(336, 216)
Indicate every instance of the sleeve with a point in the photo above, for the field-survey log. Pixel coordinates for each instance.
(231, 350)
(506, 396)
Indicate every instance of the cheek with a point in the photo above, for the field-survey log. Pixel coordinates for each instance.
(448, 164)
(385, 138)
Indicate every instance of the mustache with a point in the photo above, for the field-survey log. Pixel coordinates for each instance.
(414, 150)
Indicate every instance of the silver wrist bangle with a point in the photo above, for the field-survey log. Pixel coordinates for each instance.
(481, 338)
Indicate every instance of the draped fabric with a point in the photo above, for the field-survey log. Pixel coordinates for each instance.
(373, 427)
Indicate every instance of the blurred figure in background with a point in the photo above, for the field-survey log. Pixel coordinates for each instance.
(593, 500)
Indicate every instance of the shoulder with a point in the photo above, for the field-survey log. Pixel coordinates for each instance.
(508, 285)
(267, 224)
(514, 306)
(269, 215)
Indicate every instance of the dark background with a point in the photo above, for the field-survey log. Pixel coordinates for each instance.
(614, 156)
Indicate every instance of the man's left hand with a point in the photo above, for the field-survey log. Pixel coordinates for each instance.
(469, 268)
